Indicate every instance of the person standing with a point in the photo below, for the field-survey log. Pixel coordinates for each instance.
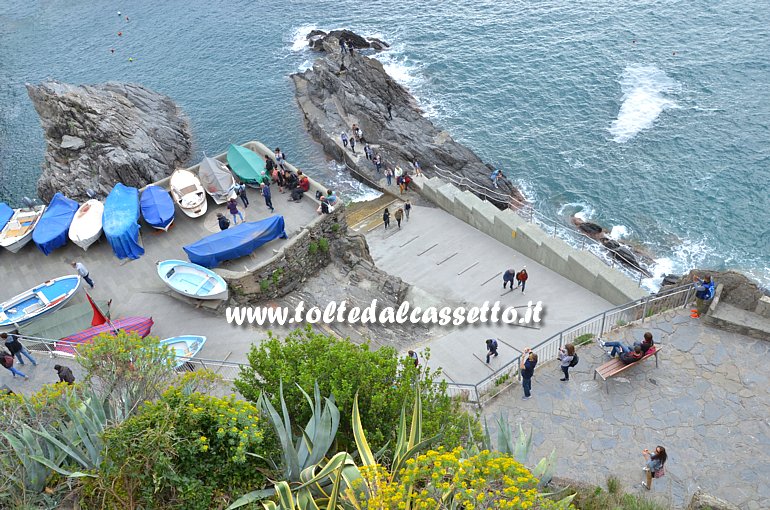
(368, 152)
(83, 272)
(491, 348)
(655, 465)
(7, 361)
(386, 218)
(344, 138)
(399, 215)
(704, 292)
(508, 277)
(280, 158)
(352, 145)
(268, 197)
(389, 176)
(521, 279)
(65, 374)
(528, 364)
(407, 209)
(390, 111)
(224, 223)
(378, 162)
(241, 192)
(566, 355)
(414, 357)
(417, 168)
(17, 349)
(232, 206)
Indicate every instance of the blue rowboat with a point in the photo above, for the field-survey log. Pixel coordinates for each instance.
(184, 347)
(157, 207)
(121, 214)
(37, 301)
(192, 280)
(6, 213)
(52, 229)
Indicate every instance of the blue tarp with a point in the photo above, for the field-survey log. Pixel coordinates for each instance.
(121, 214)
(6, 213)
(235, 242)
(157, 207)
(51, 231)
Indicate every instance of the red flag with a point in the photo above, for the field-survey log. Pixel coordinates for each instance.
(99, 317)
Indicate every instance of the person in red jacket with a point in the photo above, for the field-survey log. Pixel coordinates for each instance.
(521, 279)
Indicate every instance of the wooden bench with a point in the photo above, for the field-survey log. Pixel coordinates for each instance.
(614, 366)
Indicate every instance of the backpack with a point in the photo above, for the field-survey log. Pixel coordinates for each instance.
(574, 361)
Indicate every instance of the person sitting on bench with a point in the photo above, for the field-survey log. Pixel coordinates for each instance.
(617, 347)
(629, 357)
(301, 189)
(291, 180)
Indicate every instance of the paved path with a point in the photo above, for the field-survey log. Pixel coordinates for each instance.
(708, 403)
(452, 263)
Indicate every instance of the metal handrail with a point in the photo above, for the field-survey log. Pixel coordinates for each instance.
(527, 211)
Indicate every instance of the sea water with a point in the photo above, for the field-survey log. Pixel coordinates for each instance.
(650, 118)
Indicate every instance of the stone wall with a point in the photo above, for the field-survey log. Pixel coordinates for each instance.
(301, 257)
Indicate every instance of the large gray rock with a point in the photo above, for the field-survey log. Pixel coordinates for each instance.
(738, 290)
(97, 135)
(341, 90)
(703, 501)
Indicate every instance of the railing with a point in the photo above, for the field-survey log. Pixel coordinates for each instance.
(547, 350)
(556, 228)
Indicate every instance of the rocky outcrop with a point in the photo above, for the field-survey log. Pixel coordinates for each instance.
(317, 38)
(625, 254)
(97, 135)
(343, 89)
(738, 290)
(703, 501)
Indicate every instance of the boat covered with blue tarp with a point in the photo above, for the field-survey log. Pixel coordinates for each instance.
(120, 222)
(6, 213)
(157, 207)
(235, 242)
(52, 229)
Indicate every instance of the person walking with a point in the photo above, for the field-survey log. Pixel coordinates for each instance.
(566, 355)
(352, 145)
(407, 209)
(390, 111)
(240, 190)
(65, 374)
(368, 152)
(399, 215)
(389, 176)
(655, 465)
(414, 357)
(508, 276)
(491, 348)
(17, 349)
(268, 197)
(83, 272)
(417, 168)
(386, 218)
(521, 279)
(224, 223)
(378, 162)
(7, 361)
(344, 137)
(528, 364)
(232, 206)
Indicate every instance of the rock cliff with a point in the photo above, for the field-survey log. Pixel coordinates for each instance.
(97, 135)
(345, 89)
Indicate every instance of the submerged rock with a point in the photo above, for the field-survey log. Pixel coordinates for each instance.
(343, 89)
(631, 256)
(317, 38)
(97, 135)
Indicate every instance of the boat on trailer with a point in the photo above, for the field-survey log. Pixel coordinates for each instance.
(184, 347)
(192, 280)
(18, 231)
(37, 301)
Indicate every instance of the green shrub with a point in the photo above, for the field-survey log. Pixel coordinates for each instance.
(313, 248)
(342, 368)
(583, 339)
(323, 244)
(336, 227)
(264, 285)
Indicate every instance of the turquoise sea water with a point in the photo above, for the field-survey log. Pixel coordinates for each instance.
(649, 117)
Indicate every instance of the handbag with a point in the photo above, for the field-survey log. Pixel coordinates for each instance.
(660, 472)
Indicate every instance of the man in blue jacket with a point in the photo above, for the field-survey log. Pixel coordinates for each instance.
(704, 292)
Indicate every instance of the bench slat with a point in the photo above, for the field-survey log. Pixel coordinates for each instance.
(615, 366)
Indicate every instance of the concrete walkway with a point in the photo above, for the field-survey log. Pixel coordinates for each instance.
(451, 264)
(708, 404)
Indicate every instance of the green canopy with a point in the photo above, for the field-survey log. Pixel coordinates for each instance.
(246, 164)
(63, 322)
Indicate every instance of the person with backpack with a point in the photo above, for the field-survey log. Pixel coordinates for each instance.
(386, 218)
(267, 196)
(521, 279)
(655, 465)
(528, 364)
(568, 360)
(232, 206)
(224, 223)
(407, 209)
(7, 361)
(628, 357)
(344, 138)
(491, 348)
(399, 215)
(17, 349)
(508, 276)
(65, 374)
(240, 190)
(704, 292)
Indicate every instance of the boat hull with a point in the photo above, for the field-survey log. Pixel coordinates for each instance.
(184, 347)
(37, 301)
(188, 193)
(192, 280)
(18, 231)
(216, 179)
(86, 227)
(157, 207)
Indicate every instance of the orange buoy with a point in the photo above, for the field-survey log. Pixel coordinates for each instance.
(120, 33)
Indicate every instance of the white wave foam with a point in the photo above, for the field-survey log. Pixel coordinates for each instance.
(619, 232)
(304, 66)
(644, 99)
(577, 209)
(299, 37)
(526, 189)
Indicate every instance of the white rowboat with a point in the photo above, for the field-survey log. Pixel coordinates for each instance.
(86, 226)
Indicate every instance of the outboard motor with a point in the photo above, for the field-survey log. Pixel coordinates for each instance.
(91, 193)
(28, 202)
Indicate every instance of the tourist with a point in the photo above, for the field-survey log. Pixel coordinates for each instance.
(628, 357)
(241, 192)
(331, 198)
(390, 111)
(224, 223)
(528, 364)
(269, 164)
(302, 187)
(350, 47)
(389, 176)
(566, 354)
(232, 206)
(368, 152)
(65, 374)
(619, 348)
(496, 174)
(655, 465)
(353, 145)
(360, 135)
(268, 197)
(508, 277)
(521, 279)
(354, 130)
(280, 158)
(17, 349)
(414, 357)
(491, 348)
(291, 179)
(400, 183)
(399, 215)
(398, 172)
(83, 272)
(704, 291)
(323, 208)
(417, 168)
(378, 162)
(344, 138)
(407, 180)
(7, 361)
(343, 48)
(407, 209)
(386, 218)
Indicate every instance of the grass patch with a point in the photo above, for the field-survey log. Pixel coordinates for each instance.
(613, 498)
(584, 339)
(502, 379)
